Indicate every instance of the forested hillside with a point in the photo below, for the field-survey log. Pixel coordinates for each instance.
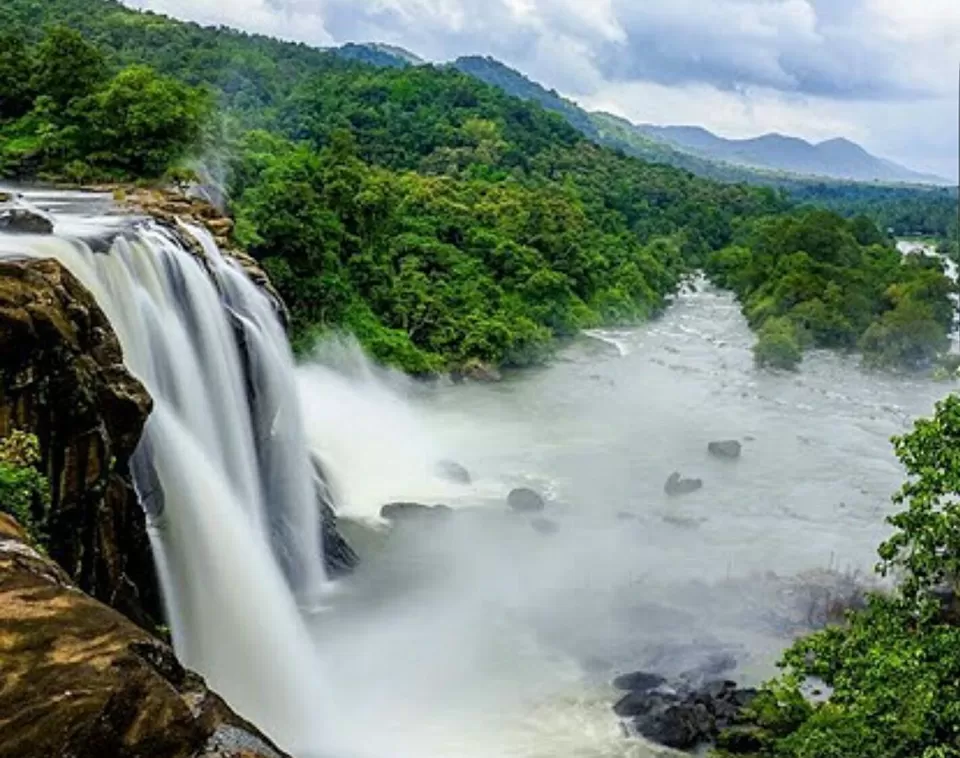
(437, 217)
(905, 210)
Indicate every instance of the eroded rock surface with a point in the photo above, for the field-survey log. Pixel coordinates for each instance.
(62, 378)
(80, 680)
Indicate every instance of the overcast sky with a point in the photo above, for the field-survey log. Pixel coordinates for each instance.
(880, 72)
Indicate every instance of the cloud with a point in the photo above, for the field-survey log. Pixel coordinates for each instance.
(880, 71)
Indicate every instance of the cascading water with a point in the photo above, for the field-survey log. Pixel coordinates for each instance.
(223, 468)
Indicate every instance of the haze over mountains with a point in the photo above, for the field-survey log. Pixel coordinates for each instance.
(690, 147)
(839, 158)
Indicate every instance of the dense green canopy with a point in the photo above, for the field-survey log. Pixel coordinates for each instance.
(440, 219)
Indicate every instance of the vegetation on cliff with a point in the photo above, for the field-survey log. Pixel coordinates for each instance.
(24, 491)
(893, 671)
(813, 279)
(63, 114)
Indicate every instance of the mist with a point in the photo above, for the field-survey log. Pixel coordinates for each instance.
(489, 632)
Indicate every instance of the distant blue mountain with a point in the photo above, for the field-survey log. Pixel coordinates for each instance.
(838, 158)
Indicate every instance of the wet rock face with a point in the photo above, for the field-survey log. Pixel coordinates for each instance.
(677, 485)
(725, 449)
(16, 217)
(525, 500)
(62, 378)
(680, 715)
(338, 555)
(80, 680)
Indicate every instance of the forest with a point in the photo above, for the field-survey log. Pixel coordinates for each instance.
(813, 279)
(439, 219)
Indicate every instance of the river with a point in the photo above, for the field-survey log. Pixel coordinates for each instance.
(508, 637)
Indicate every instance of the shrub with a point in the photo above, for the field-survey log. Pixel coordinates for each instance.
(24, 491)
(779, 345)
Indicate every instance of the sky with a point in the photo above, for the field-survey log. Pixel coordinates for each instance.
(883, 73)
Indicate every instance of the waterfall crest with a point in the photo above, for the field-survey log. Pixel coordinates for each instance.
(223, 469)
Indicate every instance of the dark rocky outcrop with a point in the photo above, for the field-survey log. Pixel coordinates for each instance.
(19, 218)
(62, 378)
(401, 512)
(727, 449)
(680, 715)
(525, 500)
(80, 680)
(338, 555)
(676, 485)
(453, 472)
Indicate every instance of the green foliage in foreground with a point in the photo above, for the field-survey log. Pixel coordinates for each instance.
(24, 491)
(893, 671)
(838, 284)
(63, 115)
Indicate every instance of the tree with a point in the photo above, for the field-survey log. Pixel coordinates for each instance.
(67, 66)
(16, 92)
(893, 670)
(141, 122)
(925, 550)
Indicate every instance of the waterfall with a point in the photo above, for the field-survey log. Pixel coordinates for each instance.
(222, 470)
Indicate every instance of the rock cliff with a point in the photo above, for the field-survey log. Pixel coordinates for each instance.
(62, 378)
(80, 680)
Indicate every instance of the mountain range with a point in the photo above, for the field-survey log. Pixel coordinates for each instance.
(766, 159)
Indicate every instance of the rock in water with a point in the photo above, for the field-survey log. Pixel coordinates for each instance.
(678, 716)
(453, 472)
(413, 512)
(81, 680)
(339, 557)
(525, 500)
(677, 485)
(18, 218)
(545, 526)
(726, 449)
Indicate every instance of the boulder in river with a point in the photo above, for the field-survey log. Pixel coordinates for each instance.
(18, 218)
(545, 526)
(677, 715)
(526, 500)
(727, 449)
(677, 485)
(452, 472)
(405, 512)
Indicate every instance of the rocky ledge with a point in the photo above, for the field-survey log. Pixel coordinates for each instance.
(80, 680)
(171, 206)
(62, 378)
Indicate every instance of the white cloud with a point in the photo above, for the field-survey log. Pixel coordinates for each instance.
(879, 71)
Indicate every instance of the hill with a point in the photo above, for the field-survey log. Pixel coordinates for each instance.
(836, 158)
(442, 220)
